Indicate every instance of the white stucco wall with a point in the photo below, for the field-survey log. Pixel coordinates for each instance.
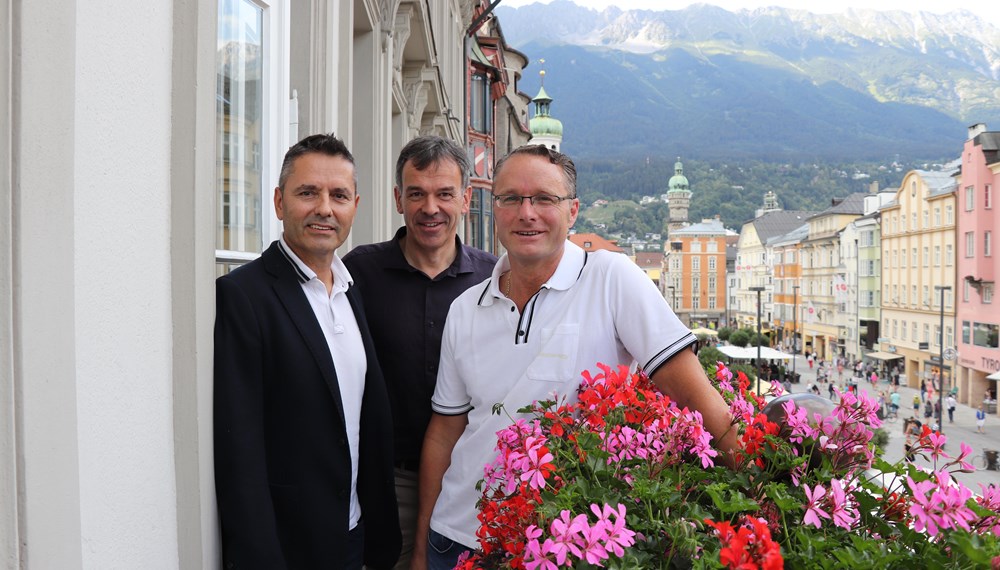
(92, 284)
(122, 276)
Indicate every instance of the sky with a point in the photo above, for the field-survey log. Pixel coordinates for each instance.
(988, 10)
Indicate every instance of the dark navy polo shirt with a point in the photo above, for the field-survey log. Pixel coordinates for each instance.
(406, 311)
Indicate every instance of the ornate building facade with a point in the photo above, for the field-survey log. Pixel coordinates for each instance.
(165, 179)
(918, 248)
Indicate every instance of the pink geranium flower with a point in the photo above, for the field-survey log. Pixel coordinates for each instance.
(813, 511)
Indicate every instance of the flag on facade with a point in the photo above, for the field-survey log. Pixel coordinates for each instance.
(839, 289)
(810, 312)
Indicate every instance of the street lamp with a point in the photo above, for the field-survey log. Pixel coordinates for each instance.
(795, 326)
(758, 290)
(942, 288)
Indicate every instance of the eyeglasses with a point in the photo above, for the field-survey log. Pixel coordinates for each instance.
(538, 200)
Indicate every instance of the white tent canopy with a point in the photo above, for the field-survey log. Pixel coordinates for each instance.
(749, 352)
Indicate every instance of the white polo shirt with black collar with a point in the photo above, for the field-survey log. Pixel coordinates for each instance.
(597, 307)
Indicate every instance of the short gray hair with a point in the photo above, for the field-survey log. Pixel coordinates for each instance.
(424, 151)
(553, 156)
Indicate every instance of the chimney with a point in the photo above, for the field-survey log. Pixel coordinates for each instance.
(873, 188)
(835, 201)
(976, 130)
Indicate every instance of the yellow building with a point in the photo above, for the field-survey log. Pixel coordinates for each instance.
(787, 317)
(918, 254)
(820, 257)
(754, 267)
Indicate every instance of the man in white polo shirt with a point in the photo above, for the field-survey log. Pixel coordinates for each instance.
(549, 311)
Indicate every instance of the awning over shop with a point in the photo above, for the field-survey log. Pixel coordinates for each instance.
(883, 355)
(994, 376)
(748, 352)
(704, 331)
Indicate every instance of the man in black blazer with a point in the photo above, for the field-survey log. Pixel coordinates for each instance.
(303, 431)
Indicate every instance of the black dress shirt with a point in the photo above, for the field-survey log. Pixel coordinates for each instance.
(406, 311)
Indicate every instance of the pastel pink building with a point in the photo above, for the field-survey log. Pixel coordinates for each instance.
(977, 365)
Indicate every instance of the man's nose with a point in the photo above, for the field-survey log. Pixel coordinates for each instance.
(431, 205)
(526, 209)
(324, 207)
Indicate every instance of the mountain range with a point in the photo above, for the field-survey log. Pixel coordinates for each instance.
(769, 84)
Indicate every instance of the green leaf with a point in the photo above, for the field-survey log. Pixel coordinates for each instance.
(729, 500)
(782, 498)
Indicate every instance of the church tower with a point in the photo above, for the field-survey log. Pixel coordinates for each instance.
(678, 198)
(545, 130)
(770, 204)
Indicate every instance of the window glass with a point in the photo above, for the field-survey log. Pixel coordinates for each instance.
(474, 237)
(984, 334)
(487, 222)
(240, 126)
(479, 112)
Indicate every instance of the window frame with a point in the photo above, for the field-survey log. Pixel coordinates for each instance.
(276, 83)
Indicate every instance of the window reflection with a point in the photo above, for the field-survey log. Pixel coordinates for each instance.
(239, 114)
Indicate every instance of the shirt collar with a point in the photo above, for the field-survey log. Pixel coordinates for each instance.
(461, 264)
(567, 273)
(341, 276)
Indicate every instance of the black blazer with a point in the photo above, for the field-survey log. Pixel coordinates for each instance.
(282, 463)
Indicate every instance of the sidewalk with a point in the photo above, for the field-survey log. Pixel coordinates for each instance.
(962, 430)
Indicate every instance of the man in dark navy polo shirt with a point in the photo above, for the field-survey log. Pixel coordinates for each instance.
(407, 284)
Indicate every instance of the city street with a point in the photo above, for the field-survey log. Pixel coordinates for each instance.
(962, 430)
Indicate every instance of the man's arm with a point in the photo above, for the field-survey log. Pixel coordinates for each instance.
(442, 434)
(683, 380)
(249, 530)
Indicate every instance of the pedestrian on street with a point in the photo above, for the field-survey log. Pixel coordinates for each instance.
(809, 359)
(951, 403)
(912, 431)
(916, 404)
(981, 419)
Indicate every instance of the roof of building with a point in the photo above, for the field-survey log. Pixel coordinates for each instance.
(990, 143)
(778, 222)
(649, 258)
(853, 204)
(594, 242)
(705, 227)
(938, 182)
(798, 234)
(678, 182)
(543, 123)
